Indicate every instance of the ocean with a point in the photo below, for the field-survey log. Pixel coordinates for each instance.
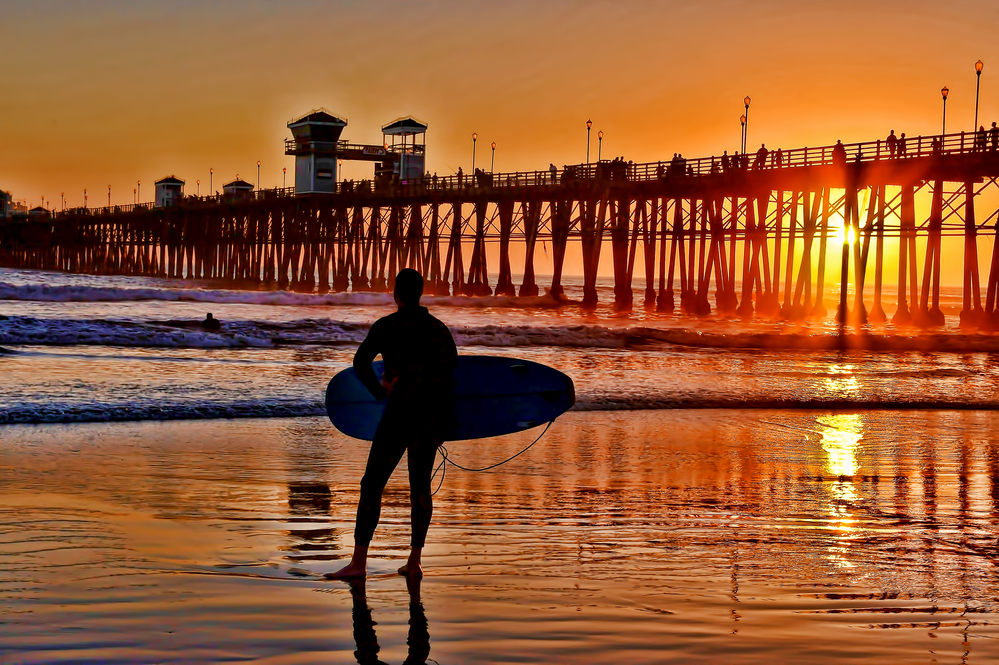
(722, 491)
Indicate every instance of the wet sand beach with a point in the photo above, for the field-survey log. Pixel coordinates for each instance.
(734, 536)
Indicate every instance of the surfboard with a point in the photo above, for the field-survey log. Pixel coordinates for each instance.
(493, 396)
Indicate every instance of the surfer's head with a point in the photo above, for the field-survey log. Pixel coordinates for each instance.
(408, 287)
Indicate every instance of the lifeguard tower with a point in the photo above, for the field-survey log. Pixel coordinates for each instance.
(318, 151)
(316, 138)
(405, 138)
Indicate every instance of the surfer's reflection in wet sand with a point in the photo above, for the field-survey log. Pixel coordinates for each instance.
(364, 625)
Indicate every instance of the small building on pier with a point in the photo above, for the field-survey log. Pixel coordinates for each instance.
(237, 190)
(6, 204)
(169, 190)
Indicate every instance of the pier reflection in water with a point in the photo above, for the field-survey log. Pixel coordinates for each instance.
(704, 535)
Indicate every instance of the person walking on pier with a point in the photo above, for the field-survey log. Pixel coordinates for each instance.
(761, 158)
(418, 382)
(839, 154)
(980, 139)
(994, 137)
(553, 170)
(901, 148)
(892, 142)
(724, 162)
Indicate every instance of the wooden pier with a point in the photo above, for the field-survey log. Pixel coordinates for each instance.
(716, 235)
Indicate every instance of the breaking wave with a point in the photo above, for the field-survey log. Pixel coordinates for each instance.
(24, 330)
(91, 412)
(80, 293)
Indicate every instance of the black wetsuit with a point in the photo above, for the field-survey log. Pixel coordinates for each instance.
(420, 356)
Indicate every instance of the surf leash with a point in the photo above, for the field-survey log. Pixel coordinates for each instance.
(447, 460)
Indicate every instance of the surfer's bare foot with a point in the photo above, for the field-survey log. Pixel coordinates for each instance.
(358, 566)
(411, 570)
(413, 567)
(348, 572)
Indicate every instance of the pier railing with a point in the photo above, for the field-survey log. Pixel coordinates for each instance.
(864, 152)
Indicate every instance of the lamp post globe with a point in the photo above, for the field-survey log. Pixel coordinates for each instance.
(944, 91)
(492, 163)
(589, 124)
(978, 83)
(600, 144)
(475, 137)
(745, 132)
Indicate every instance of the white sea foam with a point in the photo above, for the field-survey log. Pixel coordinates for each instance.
(82, 293)
(20, 330)
(76, 293)
(55, 412)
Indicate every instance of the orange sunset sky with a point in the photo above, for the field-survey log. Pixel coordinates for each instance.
(111, 93)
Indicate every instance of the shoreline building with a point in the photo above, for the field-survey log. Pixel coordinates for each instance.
(6, 204)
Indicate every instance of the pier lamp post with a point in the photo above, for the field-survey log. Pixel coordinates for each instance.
(84, 198)
(600, 143)
(134, 197)
(284, 176)
(138, 191)
(943, 93)
(211, 181)
(258, 175)
(589, 123)
(492, 161)
(978, 85)
(199, 189)
(745, 133)
(109, 196)
(475, 137)
(742, 133)
(63, 196)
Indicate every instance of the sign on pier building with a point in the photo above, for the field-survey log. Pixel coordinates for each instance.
(169, 190)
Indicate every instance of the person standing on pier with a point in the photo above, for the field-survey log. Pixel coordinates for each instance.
(418, 382)
(761, 158)
(900, 150)
(839, 154)
(892, 142)
(994, 137)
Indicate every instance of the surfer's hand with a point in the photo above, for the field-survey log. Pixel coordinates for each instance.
(389, 385)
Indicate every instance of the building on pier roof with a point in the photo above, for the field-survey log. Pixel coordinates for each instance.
(169, 190)
(6, 204)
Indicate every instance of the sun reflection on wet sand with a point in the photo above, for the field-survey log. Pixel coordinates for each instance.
(642, 537)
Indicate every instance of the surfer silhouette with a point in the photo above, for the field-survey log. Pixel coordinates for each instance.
(211, 323)
(419, 357)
